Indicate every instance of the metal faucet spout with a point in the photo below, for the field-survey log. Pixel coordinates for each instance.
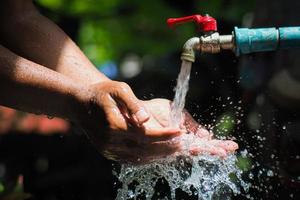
(188, 51)
(212, 43)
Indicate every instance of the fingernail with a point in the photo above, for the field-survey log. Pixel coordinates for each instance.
(142, 115)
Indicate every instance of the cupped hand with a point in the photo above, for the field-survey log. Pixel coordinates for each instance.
(122, 128)
(155, 138)
(160, 109)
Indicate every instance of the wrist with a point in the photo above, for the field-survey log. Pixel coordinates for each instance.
(85, 104)
(82, 103)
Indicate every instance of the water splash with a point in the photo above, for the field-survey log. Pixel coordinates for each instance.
(180, 93)
(205, 176)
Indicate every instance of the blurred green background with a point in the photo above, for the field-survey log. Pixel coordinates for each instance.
(130, 41)
(110, 29)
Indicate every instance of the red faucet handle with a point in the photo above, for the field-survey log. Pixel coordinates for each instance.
(204, 23)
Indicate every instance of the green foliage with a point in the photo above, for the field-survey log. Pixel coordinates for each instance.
(91, 40)
(244, 163)
(2, 187)
(225, 124)
(232, 10)
(109, 29)
(81, 7)
(52, 4)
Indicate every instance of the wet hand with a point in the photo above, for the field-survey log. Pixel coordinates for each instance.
(115, 122)
(113, 100)
(159, 110)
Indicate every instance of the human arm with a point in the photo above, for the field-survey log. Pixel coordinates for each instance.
(33, 88)
(104, 110)
(64, 56)
(29, 34)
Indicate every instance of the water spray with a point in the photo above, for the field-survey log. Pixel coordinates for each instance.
(241, 41)
(203, 176)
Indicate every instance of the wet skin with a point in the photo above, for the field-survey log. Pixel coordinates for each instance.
(155, 138)
(43, 71)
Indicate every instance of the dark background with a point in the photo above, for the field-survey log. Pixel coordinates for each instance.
(253, 98)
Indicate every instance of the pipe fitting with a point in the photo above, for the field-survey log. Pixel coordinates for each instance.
(188, 51)
(212, 43)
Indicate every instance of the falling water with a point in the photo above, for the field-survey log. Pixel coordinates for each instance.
(204, 176)
(180, 93)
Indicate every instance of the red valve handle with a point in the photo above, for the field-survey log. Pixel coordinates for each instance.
(205, 23)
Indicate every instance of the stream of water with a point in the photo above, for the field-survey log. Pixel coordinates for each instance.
(204, 177)
(181, 90)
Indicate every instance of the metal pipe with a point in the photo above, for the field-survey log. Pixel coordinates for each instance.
(212, 43)
(227, 42)
(266, 39)
(188, 51)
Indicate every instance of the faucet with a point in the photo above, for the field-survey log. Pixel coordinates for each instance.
(241, 41)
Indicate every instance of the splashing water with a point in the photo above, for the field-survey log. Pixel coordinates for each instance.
(207, 177)
(180, 93)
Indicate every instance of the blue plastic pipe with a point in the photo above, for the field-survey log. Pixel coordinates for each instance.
(265, 39)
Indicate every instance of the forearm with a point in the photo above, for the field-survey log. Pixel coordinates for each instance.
(33, 88)
(43, 42)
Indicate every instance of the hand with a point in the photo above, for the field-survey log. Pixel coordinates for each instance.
(159, 110)
(153, 138)
(115, 121)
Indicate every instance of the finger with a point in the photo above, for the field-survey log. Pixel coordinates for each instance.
(162, 134)
(228, 145)
(218, 151)
(135, 107)
(115, 118)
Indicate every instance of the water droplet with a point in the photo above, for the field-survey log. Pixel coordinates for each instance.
(130, 194)
(251, 176)
(244, 153)
(270, 173)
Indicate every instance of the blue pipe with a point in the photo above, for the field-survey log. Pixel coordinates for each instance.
(265, 39)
